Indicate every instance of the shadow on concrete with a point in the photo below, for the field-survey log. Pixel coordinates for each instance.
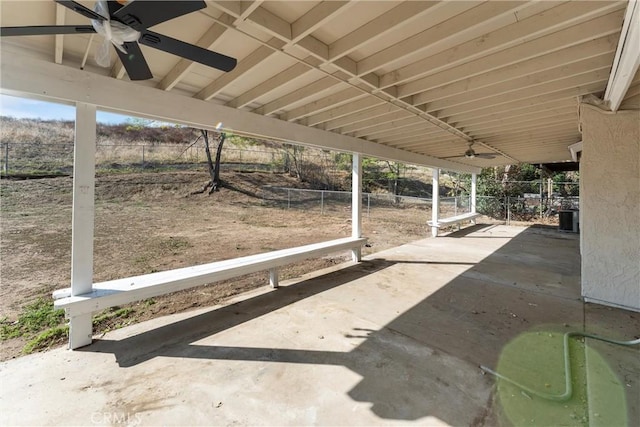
(425, 361)
(171, 339)
(470, 229)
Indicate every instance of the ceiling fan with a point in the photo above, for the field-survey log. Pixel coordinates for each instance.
(126, 24)
(471, 154)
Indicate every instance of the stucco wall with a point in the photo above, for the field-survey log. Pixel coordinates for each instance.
(610, 206)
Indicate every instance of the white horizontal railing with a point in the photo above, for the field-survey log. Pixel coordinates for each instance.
(457, 219)
(122, 291)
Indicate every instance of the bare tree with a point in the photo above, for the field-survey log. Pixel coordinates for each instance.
(214, 168)
(293, 160)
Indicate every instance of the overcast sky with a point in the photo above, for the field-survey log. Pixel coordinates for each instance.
(28, 108)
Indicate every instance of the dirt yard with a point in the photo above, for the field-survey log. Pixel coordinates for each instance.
(149, 222)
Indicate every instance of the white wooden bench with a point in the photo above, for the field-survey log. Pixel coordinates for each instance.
(443, 222)
(123, 291)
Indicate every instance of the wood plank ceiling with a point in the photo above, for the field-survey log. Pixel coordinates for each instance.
(426, 77)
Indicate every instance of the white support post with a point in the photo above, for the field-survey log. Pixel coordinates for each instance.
(435, 201)
(356, 204)
(627, 59)
(273, 278)
(80, 328)
(474, 186)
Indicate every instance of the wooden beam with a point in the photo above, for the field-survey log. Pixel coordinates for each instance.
(563, 16)
(316, 17)
(271, 84)
(627, 59)
(565, 120)
(252, 60)
(59, 43)
(580, 39)
(368, 114)
(422, 130)
(331, 101)
(575, 83)
(319, 51)
(427, 141)
(183, 66)
(538, 119)
(403, 14)
(82, 221)
(517, 138)
(398, 123)
(118, 70)
(539, 80)
(298, 95)
(22, 75)
(557, 105)
(356, 202)
(390, 118)
(270, 23)
(435, 201)
(549, 63)
(456, 16)
(344, 110)
(246, 9)
(233, 8)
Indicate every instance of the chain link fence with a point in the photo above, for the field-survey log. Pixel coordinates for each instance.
(54, 158)
(57, 158)
(375, 206)
(338, 203)
(509, 208)
(416, 209)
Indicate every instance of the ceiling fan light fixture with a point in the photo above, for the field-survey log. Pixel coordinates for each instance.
(113, 32)
(126, 27)
(470, 154)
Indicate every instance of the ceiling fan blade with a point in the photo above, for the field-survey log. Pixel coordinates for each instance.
(82, 10)
(134, 62)
(113, 6)
(141, 15)
(45, 30)
(188, 51)
(486, 155)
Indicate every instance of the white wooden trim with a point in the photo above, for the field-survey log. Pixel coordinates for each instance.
(31, 77)
(122, 291)
(627, 59)
(356, 203)
(575, 149)
(83, 217)
(273, 277)
(474, 186)
(435, 201)
(454, 220)
(59, 38)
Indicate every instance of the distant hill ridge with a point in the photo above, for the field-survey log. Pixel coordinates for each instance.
(14, 130)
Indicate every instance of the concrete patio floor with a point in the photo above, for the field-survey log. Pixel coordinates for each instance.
(397, 339)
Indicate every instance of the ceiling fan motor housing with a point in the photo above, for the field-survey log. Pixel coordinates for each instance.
(124, 24)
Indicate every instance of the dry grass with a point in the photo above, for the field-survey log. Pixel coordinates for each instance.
(147, 222)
